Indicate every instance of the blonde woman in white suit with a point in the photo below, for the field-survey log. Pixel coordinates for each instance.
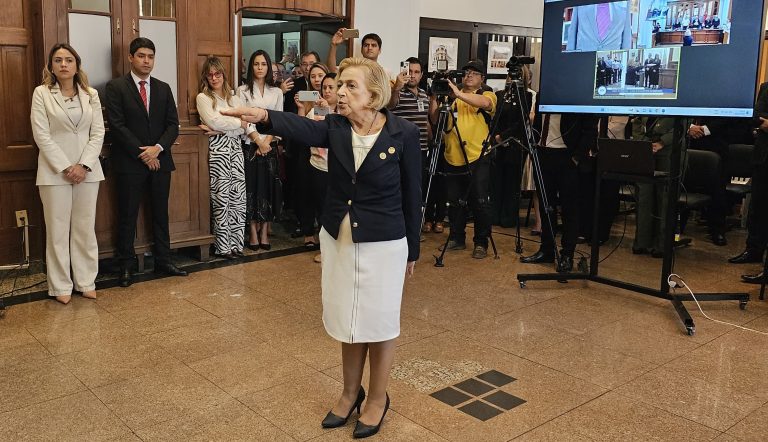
(68, 127)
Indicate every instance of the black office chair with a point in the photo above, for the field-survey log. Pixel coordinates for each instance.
(700, 179)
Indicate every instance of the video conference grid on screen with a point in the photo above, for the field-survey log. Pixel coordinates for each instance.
(674, 57)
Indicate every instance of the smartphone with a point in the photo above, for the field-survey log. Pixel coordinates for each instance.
(405, 66)
(350, 33)
(321, 111)
(309, 95)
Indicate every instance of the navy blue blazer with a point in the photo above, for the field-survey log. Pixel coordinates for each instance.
(383, 198)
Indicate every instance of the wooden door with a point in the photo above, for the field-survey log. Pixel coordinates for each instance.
(19, 74)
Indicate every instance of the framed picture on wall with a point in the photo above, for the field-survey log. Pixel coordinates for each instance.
(498, 56)
(440, 47)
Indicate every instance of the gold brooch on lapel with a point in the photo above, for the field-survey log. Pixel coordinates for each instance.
(383, 156)
(391, 150)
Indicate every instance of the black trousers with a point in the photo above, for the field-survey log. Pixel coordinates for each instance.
(609, 205)
(561, 178)
(131, 189)
(435, 210)
(457, 181)
(757, 221)
(313, 198)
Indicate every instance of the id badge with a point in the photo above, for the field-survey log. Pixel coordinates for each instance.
(422, 108)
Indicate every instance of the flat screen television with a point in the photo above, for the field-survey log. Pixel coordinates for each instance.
(656, 57)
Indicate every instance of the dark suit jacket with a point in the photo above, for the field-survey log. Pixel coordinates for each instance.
(761, 141)
(719, 140)
(383, 197)
(133, 127)
(579, 134)
(510, 123)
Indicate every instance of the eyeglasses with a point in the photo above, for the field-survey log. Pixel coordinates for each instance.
(472, 74)
(216, 75)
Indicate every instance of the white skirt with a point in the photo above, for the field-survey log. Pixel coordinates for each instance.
(362, 286)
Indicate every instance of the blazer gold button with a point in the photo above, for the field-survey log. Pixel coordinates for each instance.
(391, 150)
(383, 156)
(349, 202)
(354, 224)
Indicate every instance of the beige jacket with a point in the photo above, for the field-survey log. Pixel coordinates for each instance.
(61, 142)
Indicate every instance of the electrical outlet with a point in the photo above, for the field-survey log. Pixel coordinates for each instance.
(22, 219)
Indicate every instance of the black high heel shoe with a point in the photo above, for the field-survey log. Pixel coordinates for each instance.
(362, 430)
(333, 421)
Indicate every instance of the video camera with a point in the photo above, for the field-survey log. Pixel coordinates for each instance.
(442, 76)
(515, 66)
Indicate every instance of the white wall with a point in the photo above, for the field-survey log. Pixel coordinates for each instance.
(397, 21)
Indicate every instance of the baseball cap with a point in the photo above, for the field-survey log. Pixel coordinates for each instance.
(475, 65)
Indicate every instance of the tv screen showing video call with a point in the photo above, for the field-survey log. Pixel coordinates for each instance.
(634, 57)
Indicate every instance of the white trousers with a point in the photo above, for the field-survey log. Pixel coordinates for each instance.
(70, 240)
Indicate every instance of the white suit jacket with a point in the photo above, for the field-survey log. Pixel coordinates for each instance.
(584, 36)
(61, 142)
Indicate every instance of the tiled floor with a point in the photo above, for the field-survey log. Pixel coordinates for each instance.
(239, 353)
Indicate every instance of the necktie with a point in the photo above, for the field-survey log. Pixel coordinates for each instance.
(603, 19)
(143, 93)
(545, 131)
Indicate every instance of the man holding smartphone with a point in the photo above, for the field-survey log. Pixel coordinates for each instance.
(370, 48)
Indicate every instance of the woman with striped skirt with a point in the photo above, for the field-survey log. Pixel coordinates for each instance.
(225, 158)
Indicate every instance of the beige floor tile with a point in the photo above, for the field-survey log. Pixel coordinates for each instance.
(35, 382)
(684, 395)
(227, 421)
(395, 428)
(616, 417)
(737, 361)
(117, 361)
(204, 340)
(517, 332)
(274, 322)
(250, 370)
(76, 417)
(224, 300)
(18, 346)
(412, 330)
(297, 407)
(80, 334)
(753, 428)
(725, 437)
(557, 430)
(446, 359)
(313, 347)
(598, 365)
(49, 311)
(449, 311)
(166, 393)
(151, 319)
(656, 336)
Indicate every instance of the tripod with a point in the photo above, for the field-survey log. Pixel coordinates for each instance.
(441, 129)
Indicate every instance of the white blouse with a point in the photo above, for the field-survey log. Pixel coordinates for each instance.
(272, 98)
(229, 126)
(361, 145)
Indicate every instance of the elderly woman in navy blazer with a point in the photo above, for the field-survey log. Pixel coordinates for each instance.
(68, 127)
(370, 234)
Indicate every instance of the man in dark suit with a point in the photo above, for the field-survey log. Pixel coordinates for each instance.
(143, 118)
(712, 134)
(757, 222)
(565, 145)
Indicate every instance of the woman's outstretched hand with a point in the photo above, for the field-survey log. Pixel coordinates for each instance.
(249, 114)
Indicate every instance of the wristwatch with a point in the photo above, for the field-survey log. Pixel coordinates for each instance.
(87, 169)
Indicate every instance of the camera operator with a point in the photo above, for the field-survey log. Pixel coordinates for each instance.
(467, 125)
(567, 141)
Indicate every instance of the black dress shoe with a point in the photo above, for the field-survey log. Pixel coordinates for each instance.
(718, 239)
(754, 279)
(537, 258)
(639, 251)
(169, 269)
(333, 421)
(126, 278)
(746, 256)
(266, 246)
(565, 265)
(362, 430)
(254, 247)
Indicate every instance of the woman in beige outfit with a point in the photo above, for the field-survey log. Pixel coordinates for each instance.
(68, 127)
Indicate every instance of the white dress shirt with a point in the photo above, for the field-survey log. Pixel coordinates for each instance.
(136, 80)
(272, 98)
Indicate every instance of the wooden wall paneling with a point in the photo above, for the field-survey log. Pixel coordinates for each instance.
(276, 4)
(18, 192)
(182, 54)
(330, 7)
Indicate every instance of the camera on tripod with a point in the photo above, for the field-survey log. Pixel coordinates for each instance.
(515, 66)
(442, 76)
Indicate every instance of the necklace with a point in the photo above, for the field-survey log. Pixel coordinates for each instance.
(371, 126)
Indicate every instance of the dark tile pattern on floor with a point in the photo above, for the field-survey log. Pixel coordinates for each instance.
(480, 408)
